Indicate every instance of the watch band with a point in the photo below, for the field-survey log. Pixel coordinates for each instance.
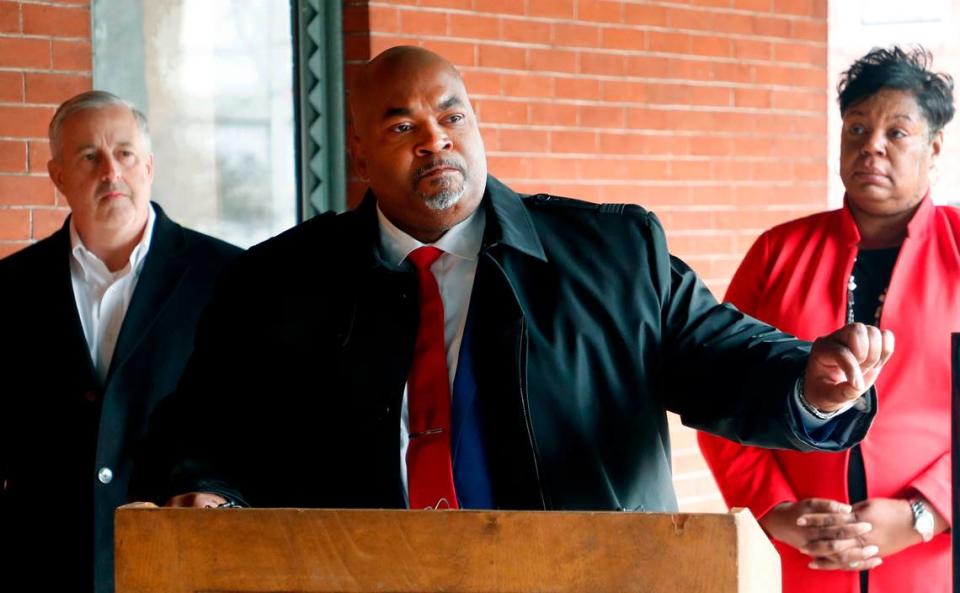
(922, 519)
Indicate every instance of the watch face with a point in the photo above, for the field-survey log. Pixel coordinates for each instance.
(925, 525)
(922, 520)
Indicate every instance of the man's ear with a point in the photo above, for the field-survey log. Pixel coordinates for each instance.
(55, 170)
(358, 154)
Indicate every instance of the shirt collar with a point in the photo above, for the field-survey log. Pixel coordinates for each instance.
(462, 240)
(91, 264)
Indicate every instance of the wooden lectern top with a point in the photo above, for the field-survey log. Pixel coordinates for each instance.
(398, 551)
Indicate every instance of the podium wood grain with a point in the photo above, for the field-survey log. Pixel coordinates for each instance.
(314, 551)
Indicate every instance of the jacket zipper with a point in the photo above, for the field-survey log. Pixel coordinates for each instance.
(521, 380)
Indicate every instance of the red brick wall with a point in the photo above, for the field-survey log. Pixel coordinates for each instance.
(45, 58)
(709, 112)
(712, 113)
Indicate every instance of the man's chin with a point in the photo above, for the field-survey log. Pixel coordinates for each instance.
(119, 213)
(443, 201)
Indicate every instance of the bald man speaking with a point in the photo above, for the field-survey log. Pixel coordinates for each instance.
(452, 344)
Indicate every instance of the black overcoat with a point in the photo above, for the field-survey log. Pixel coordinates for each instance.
(59, 428)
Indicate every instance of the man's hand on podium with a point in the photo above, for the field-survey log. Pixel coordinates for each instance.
(139, 505)
(197, 500)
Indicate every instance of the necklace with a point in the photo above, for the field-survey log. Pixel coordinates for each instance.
(851, 287)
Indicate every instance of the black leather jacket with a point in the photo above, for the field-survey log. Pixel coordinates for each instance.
(586, 331)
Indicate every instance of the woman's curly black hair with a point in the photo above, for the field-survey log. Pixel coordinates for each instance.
(895, 68)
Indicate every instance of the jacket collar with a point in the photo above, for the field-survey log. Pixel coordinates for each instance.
(166, 237)
(163, 270)
(918, 226)
(508, 222)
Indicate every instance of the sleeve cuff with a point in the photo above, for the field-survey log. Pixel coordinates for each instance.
(811, 418)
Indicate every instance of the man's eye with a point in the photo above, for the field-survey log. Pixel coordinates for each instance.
(856, 129)
(898, 134)
(456, 118)
(89, 157)
(401, 128)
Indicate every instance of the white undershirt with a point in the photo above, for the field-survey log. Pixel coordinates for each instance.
(103, 296)
(455, 271)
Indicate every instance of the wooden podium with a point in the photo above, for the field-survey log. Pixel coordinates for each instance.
(312, 551)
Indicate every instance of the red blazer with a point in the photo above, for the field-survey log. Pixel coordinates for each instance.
(795, 277)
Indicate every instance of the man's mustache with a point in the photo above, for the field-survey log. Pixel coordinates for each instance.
(439, 164)
(109, 188)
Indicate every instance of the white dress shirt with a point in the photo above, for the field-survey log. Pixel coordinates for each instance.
(103, 296)
(455, 271)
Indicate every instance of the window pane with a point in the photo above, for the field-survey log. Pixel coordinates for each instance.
(215, 79)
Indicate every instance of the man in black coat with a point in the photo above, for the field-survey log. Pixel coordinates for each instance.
(569, 332)
(98, 322)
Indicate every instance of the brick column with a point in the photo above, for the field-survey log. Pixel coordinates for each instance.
(45, 58)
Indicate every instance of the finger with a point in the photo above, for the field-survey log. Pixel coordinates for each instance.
(827, 564)
(197, 500)
(139, 505)
(841, 550)
(869, 564)
(888, 346)
(825, 505)
(848, 531)
(206, 500)
(865, 564)
(830, 564)
(874, 348)
(832, 548)
(856, 557)
(854, 340)
(825, 519)
(854, 337)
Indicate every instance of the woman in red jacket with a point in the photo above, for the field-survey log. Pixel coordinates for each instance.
(874, 516)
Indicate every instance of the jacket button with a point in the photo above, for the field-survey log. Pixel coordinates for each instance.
(105, 475)
(90, 395)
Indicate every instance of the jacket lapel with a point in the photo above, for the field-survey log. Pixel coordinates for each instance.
(65, 302)
(163, 270)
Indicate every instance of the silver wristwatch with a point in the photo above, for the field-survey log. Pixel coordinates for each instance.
(922, 519)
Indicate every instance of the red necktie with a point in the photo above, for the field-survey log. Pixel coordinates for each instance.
(429, 469)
